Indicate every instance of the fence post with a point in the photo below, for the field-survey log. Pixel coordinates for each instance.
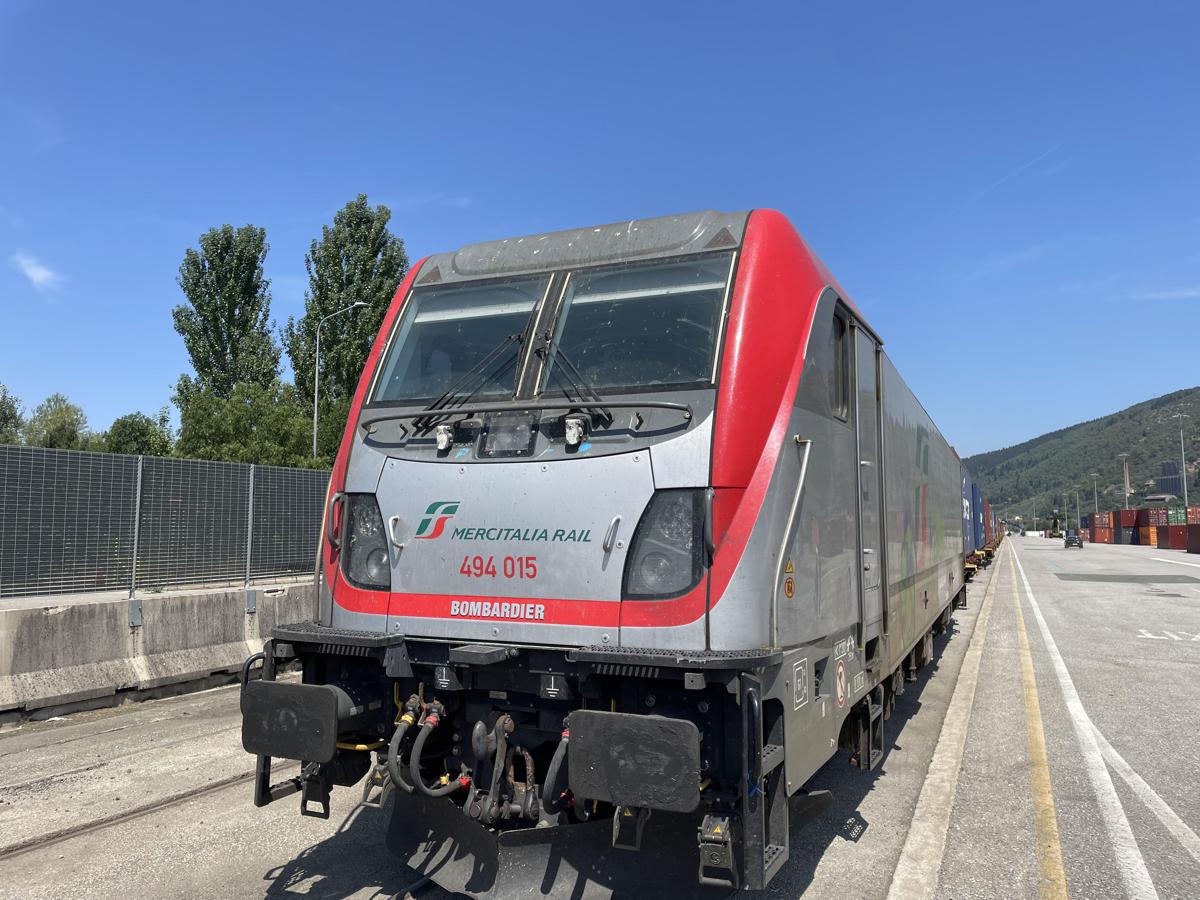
(135, 604)
(251, 596)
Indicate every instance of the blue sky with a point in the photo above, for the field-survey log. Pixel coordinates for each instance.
(1010, 192)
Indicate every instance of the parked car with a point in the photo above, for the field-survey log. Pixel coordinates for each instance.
(1072, 539)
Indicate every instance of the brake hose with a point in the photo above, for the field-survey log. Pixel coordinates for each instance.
(393, 757)
(552, 798)
(430, 722)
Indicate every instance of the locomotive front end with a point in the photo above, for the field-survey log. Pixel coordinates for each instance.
(512, 645)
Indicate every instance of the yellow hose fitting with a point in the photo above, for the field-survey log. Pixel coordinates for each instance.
(445, 779)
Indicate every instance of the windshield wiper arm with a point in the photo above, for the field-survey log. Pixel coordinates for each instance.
(578, 383)
(463, 390)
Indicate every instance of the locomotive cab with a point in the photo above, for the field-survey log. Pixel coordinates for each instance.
(601, 572)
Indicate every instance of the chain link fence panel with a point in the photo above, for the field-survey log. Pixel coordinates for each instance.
(72, 521)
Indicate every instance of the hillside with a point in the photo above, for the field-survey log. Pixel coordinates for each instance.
(1045, 470)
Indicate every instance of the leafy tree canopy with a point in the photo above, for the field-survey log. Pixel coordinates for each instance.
(138, 434)
(224, 323)
(266, 424)
(356, 260)
(57, 423)
(12, 418)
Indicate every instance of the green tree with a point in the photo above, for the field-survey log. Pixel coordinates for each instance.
(12, 419)
(256, 424)
(138, 434)
(56, 423)
(355, 260)
(224, 324)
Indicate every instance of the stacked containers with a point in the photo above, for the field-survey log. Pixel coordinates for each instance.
(968, 528)
(987, 522)
(1159, 519)
(1124, 525)
(1177, 528)
(1193, 529)
(1102, 528)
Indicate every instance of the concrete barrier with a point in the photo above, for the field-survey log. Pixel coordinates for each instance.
(64, 651)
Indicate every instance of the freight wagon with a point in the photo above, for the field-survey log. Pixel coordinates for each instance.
(631, 530)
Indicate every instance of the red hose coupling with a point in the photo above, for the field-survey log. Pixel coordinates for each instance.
(464, 781)
(432, 720)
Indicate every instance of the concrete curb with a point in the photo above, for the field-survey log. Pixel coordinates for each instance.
(62, 650)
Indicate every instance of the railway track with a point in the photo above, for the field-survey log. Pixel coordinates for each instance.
(41, 841)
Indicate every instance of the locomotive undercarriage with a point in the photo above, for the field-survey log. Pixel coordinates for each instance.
(507, 763)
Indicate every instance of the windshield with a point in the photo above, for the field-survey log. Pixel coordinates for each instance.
(641, 326)
(447, 331)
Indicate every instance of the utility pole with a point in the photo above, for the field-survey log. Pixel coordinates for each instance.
(1182, 456)
(1095, 494)
(1124, 457)
(317, 365)
(1078, 517)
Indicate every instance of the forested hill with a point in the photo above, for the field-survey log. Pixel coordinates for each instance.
(1047, 469)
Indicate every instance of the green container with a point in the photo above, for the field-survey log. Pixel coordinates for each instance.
(1177, 515)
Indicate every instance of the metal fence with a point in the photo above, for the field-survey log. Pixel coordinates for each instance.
(73, 522)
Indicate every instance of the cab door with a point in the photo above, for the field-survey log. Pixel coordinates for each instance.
(870, 484)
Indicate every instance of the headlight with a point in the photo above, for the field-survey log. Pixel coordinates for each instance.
(367, 564)
(665, 558)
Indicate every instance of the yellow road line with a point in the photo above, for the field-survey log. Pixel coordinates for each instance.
(1053, 881)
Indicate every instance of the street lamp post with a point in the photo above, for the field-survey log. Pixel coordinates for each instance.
(317, 366)
(1182, 456)
(1124, 457)
(1095, 494)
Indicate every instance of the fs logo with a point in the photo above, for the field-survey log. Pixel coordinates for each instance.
(438, 513)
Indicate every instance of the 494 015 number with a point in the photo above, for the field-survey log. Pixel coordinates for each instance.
(514, 568)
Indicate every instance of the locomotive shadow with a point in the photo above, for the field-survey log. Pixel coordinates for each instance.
(352, 859)
(848, 785)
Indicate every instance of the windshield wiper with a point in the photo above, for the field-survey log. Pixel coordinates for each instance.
(474, 380)
(576, 382)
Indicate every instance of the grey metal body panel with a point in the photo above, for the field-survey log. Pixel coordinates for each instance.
(631, 240)
(557, 511)
(683, 462)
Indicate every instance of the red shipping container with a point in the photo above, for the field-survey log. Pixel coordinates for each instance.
(1193, 515)
(1102, 535)
(1158, 515)
(1163, 537)
(1102, 520)
(1178, 537)
(1085, 534)
(1143, 517)
(1193, 538)
(1125, 518)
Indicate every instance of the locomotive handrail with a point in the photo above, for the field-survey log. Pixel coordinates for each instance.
(806, 443)
(532, 406)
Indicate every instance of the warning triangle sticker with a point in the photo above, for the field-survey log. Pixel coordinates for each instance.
(788, 569)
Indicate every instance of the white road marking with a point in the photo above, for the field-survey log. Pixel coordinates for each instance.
(1147, 794)
(1177, 562)
(920, 861)
(1130, 863)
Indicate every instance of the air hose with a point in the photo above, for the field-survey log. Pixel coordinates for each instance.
(393, 757)
(552, 797)
(449, 786)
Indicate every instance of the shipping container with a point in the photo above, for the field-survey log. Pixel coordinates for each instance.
(1163, 537)
(1102, 520)
(968, 527)
(1124, 535)
(988, 522)
(1158, 515)
(1193, 539)
(1125, 518)
(1148, 536)
(1178, 537)
(1102, 535)
(1143, 517)
(1085, 534)
(977, 514)
(1176, 515)
(1193, 515)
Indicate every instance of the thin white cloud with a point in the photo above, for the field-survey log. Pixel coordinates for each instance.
(1192, 293)
(1015, 172)
(41, 276)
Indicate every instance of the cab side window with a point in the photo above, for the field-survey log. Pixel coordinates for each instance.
(839, 378)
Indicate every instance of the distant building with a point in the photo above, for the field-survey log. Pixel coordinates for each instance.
(1169, 480)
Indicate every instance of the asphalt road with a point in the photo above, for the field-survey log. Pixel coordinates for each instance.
(967, 803)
